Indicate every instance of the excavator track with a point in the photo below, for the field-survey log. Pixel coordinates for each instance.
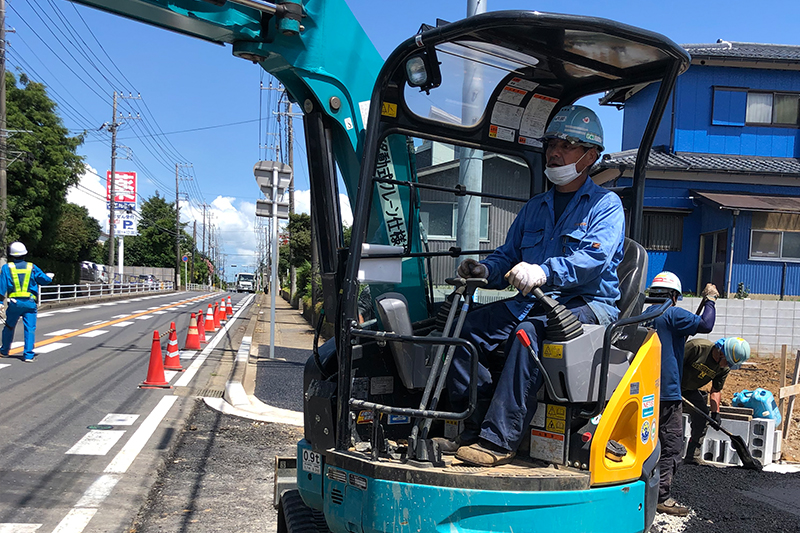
(294, 516)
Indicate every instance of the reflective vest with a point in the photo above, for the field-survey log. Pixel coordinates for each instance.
(21, 291)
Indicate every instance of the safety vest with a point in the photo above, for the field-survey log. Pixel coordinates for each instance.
(20, 291)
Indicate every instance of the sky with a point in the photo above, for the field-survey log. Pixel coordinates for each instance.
(216, 118)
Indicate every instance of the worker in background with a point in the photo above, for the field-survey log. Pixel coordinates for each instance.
(19, 287)
(673, 327)
(705, 361)
(568, 241)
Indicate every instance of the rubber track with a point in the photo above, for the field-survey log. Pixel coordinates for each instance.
(298, 517)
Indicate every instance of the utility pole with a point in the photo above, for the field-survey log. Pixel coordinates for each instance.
(3, 132)
(290, 150)
(113, 128)
(177, 233)
(204, 231)
(194, 244)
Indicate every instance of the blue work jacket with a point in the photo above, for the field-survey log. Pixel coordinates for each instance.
(37, 278)
(579, 254)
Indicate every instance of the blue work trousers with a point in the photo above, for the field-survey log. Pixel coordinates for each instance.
(513, 403)
(25, 308)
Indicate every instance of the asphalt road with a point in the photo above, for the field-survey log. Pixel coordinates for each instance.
(57, 474)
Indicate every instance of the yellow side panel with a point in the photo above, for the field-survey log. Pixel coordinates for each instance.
(630, 418)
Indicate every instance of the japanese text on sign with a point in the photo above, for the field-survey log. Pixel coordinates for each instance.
(391, 206)
(124, 187)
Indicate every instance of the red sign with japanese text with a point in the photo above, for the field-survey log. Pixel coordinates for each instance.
(124, 187)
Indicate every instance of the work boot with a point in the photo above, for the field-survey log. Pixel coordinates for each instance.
(670, 506)
(693, 454)
(451, 446)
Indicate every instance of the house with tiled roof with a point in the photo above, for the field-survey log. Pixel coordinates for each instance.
(723, 192)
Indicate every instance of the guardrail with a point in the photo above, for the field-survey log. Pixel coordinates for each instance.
(199, 287)
(58, 293)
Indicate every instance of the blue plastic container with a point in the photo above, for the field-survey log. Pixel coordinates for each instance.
(761, 401)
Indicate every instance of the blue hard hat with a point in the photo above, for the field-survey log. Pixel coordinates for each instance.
(578, 124)
(735, 349)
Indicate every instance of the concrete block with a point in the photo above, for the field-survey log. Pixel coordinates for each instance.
(769, 312)
(786, 323)
(762, 439)
(769, 304)
(765, 350)
(781, 340)
(687, 427)
(719, 452)
(765, 323)
(751, 305)
(776, 450)
(749, 331)
(732, 304)
(786, 305)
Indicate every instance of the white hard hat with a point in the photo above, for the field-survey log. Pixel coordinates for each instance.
(17, 249)
(666, 280)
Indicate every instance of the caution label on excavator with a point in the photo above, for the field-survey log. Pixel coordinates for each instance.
(547, 446)
(558, 426)
(553, 351)
(388, 110)
(557, 411)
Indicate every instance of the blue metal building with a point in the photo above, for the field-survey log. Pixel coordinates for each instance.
(723, 192)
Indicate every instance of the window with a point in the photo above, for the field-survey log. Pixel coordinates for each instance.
(440, 219)
(778, 245)
(662, 231)
(729, 107)
(773, 108)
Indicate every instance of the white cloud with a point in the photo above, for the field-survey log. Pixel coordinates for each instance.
(91, 194)
(302, 202)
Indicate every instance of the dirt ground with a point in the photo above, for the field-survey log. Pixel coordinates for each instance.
(765, 373)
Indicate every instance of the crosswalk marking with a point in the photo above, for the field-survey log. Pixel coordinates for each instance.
(118, 419)
(17, 344)
(95, 333)
(124, 315)
(52, 347)
(94, 323)
(68, 310)
(187, 354)
(96, 442)
(11, 527)
(38, 315)
(145, 317)
(159, 312)
(2, 366)
(60, 332)
(122, 324)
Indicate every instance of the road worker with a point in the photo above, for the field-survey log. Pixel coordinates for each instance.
(19, 287)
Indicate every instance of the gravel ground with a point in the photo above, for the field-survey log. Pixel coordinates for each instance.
(733, 500)
(219, 477)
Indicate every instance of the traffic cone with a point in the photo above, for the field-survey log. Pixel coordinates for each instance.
(223, 317)
(215, 316)
(201, 330)
(155, 371)
(192, 336)
(229, 309)
(173, 360)
(209, 325)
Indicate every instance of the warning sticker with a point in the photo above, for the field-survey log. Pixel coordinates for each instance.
(553, 351)
(529, 142)
(364, 417)
(398, 419)
(538, 416)
(452, 428)
(558, 426)
(547, 446)
(648, 406)
(507, 115)
(389, 110)
(381, 385)
(499, 132)
(557, 411)
(511, 95)
(534, 119)
(520, 83)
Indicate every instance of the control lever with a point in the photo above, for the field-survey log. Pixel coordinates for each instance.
(562, 324)
(525, 340)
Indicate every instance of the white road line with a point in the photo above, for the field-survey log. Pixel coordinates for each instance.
(96, 442)
(143, 317)
(159, 312)
(19, 528)
(91, 306)
(187, 354)
(125, 457)
(38, 315)
(140, 310)
(59, 332)
(169, 374)
(118, 419)
(76, 520)
(95, 333)
(187, 376)
(94, 323)
(98, 491)
(52, 347)
(124, 315)
(121, 324)
(17, 344)
(109, 304)
(2, 366)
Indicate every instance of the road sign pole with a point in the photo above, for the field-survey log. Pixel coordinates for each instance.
(274, 285)
(121, 257)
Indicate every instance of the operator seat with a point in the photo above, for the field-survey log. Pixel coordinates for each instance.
(632, 271)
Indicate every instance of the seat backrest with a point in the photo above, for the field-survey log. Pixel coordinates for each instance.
(632, 271)
(410, 359)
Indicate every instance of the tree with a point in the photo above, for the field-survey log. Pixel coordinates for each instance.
(76, 235)
(300, 242)
(155, 244)
(49, 164)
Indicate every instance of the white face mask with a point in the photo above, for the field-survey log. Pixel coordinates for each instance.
(563, 174)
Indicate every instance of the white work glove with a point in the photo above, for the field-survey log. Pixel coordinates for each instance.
(526, 277)
(50, 275)
(469, 268)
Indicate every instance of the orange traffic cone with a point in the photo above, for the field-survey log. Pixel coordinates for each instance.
(155, 371)
(223, 317)
(209, 326)
(229, 309)
(215, 316)
(192, 336)
(201, 330)
(173, 360)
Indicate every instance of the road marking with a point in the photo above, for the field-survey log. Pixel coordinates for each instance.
(76, 520)
(109, 304)
(52, 347)
(60, 332)
(96, 442)
(117, 419)
(121, 324)
(69, 310)
(169, 374)
(19, 528)
(1, 367)
(125, 457)
(187, 354)
(91, 306)
(190, 372)
(95, 333)
(94, 323)
(74, 334)
(98, 491)
(126, 315)
(159, 312)
(38, 315)
(17, 344)
(140, 311)
(145, 317)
